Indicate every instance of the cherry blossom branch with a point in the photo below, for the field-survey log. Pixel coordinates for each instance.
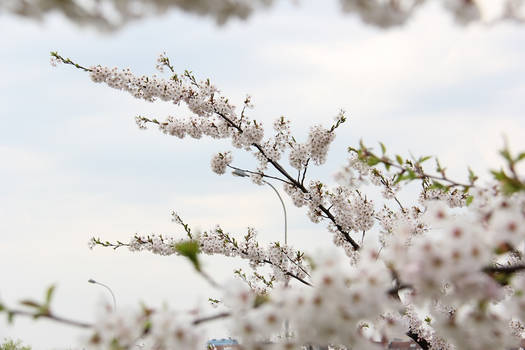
(490, 270)
(293, 181)
(304, 171)
(413, 170)
(96, 241)
(41, 310)
(296, 264)
(504, 269)
(56, 58)
(211, 318)
(423, 343)
(14, 312)
(266, 261)
(297, 278)
(141, 91)
(80, 324)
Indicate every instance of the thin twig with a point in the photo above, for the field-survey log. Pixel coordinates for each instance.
(69, 61)
(50, 316)
(211, 318)
(304, 172)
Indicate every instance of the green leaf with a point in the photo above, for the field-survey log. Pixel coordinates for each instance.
(499, 175)
(437, 185)
(502, 278)
(147, 326)
(371, 161)
(422, 159)
(520, 156)
(506, 154)
(115, 345)
(383, 148)
(43, 310)
(10, 317)
(30, 303)
(510, 186)
(399, 159)
(439, 169)
(469, 200)
(261, 299)
(189, 249)
(399, 178)
(49, 294)
(471, 176)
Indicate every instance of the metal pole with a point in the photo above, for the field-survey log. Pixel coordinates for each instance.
(286, 322)
(105, 286)
(284, 210)
(241, 173)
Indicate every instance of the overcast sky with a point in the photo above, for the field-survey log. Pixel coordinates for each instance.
(73, 163)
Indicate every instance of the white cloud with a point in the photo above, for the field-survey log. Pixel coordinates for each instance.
(74, 164)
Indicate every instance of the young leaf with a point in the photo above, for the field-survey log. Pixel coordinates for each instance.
(422, 159)
(189, 249)
(499, 175)
(49, 294)
(372, 161)
(383, 148)
(471, 176)
(30, 303)
(10, 317)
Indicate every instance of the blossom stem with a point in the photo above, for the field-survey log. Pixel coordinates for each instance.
(48, 315)
(211, 318)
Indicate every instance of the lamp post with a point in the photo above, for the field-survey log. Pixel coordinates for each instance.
(91, 280)
(241, 173)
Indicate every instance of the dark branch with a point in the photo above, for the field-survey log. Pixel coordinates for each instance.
(211, 318)
(423, 343)
(50, 316)
(504, 269)
(293, 181)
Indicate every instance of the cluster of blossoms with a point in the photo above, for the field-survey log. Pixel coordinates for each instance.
(445, 271)
(112, 14)
(448, 284)
(284, 261)
(214, 116)
(220, 162)
(391, 13)
(145, 328)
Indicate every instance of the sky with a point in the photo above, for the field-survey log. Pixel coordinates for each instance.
(74, 164)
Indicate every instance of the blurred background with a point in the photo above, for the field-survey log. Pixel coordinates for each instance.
(73, 164)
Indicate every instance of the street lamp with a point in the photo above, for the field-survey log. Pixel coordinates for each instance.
(91, 280)
(242, 173)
